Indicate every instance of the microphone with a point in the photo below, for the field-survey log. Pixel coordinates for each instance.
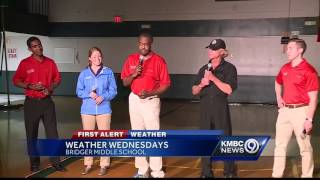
(209, 66)
(141, 58)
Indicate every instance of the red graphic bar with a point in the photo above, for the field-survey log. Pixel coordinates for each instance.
(100, 134)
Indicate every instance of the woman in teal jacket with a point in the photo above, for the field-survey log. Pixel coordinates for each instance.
(96, 87)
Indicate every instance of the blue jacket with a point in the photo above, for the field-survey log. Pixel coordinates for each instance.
(105, 86)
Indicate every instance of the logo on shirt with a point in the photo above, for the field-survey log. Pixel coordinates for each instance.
(133, 67)
(88, 77)
(30, 71)
(285, 73)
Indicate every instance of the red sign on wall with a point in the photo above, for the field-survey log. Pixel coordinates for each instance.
(117, 19)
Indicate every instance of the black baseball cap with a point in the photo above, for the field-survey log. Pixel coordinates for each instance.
(217, 44)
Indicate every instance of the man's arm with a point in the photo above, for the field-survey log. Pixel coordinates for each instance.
(56, 78)
(21, 84)
(160, 90)
(224, 87)
(128, 80)
(196, 89)
(278, 89)
(156, 92)
(313, 96)
(54, 85)
(36, 87)
(19, 77)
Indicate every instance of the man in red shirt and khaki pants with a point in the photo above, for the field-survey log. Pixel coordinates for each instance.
(38, 75)
(299, 82)
(147, 74)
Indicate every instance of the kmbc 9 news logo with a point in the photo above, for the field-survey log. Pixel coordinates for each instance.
(239, 147)
(251, 146)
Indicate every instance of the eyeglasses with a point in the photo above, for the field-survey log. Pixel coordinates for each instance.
(36, 46)
(144, 44)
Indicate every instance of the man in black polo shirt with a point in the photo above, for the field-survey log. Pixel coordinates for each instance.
(214, 83)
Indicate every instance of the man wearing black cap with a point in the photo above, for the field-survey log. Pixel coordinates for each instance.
(214, 83)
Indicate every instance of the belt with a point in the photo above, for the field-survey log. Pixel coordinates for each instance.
(148, 98)
(291, 106)
(38, 98)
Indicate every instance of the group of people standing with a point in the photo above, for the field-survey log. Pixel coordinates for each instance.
(146, 74)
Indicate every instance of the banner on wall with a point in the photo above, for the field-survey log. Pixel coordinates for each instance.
(12, 53)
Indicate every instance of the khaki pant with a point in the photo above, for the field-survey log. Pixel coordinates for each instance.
(89, 123)
(144, 115)
(292, 120)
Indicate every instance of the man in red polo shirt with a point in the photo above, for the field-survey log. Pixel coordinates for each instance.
(299, 81)
(147, 74)
(38, 75)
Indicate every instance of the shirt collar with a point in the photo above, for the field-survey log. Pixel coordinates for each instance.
(148, 56)
(301, 64)
(35, 60)
(98, 72)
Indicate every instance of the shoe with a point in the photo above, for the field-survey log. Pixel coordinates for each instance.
(157, 174)
(86, 170)
(103, 171)
(58, 167)
(206, 176)
(34, 169)
(230, 176)
(145, 175)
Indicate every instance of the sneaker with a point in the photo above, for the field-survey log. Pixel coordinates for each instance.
(59, 167)
(230, 176)
(103, 171)
(207, 175)
(146, 175)
(157, 174)
(34, 169)
(86, 170)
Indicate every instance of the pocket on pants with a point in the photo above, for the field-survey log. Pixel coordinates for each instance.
(281, 109)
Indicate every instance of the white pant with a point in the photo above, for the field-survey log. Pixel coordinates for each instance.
(144, 115)
(292, 120)
(89, 123)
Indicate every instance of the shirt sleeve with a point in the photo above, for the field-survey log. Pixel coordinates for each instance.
(56, 77)
(279, 78)
(312, 82)
(232, 78)
(126, 69)
(198, 78)
(81, 90)
(164, 74)
(112, 88)
(20, 74)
